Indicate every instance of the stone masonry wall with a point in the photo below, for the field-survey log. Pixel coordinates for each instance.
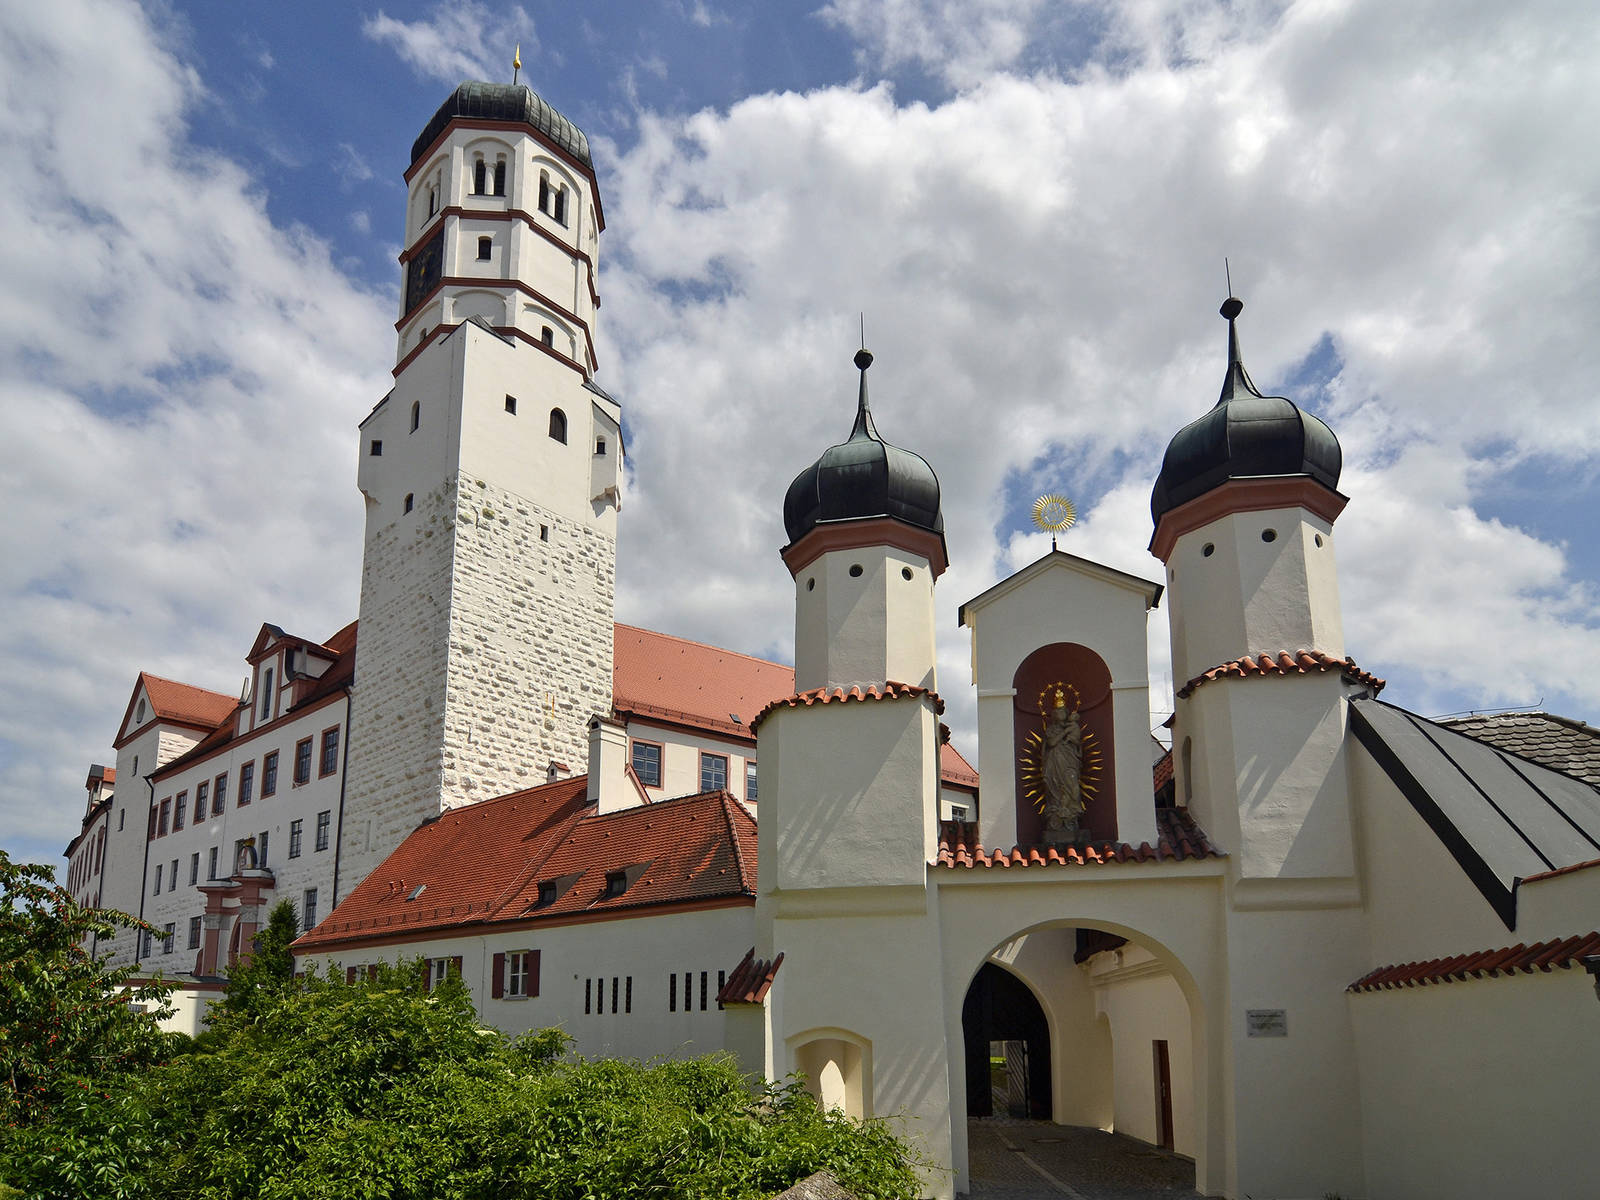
(530, 643)
(483, 650)
(398, 701)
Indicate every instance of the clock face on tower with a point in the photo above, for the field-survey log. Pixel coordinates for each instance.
(422, 272)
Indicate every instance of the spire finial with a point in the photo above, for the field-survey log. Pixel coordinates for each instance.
(1237, 381)
(516, 63)
(864, 426)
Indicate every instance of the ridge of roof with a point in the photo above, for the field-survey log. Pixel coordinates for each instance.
(1285, 662)
(1178, 839)
(1559, 953)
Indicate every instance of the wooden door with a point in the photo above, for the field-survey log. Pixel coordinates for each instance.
(1163, 1067)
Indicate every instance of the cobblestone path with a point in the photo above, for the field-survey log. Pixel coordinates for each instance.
(1034, 1160)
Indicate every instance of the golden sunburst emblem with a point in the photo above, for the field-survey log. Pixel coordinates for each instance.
(1054, 513)
(1032, 757)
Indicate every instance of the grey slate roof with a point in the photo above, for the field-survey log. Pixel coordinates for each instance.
(1502, 817)
(1552, 741)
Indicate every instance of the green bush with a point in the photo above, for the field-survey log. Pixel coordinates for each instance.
(379, 1090)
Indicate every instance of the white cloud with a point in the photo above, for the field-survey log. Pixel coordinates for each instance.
(961, 41)
(179, 383)
(461, 40)
(1040, 260)
(350, 166)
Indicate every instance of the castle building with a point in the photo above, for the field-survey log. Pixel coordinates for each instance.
(1323, 945)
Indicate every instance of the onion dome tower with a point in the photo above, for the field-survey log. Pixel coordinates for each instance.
(866, 542)
(1245, 436)
(1244, 510)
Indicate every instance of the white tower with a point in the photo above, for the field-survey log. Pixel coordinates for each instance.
(1244, 510)
(850, 790)
(491, 476)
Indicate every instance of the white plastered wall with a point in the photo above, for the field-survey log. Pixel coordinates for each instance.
(573, 957)
(1250, 596)
(867, 628)
(1143, 1003)
(1482, 1088)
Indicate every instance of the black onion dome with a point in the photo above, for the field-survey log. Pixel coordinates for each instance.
(863, 477)
(504, 102)
(1246, 436)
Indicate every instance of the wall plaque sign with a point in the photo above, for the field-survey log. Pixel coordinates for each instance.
(1266, 1022)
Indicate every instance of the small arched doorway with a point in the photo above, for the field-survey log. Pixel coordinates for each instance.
(1006, 1038)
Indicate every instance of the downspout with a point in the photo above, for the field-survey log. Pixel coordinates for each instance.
(144, 871)
(344, 776)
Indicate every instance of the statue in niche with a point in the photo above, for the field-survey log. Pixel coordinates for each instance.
(1061, 755)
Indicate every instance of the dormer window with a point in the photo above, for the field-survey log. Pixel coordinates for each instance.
(416, 891)
(616, 883)
(547, 893)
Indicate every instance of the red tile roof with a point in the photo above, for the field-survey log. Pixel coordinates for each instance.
(1178, 838)
(954, 769)
(1162, 772)
(1508, 960)
(1300, 662)
(483, 863)
(691, 683)
(751, 980)
(888, 691)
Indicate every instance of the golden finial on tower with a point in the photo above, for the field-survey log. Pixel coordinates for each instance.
(516, 63)
(1054, 514)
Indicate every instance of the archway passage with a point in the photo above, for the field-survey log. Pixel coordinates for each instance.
(1007, 1046)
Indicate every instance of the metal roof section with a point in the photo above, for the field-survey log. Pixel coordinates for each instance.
(1246, 436)
(504, 102)
(1502, 818)
(862, 477)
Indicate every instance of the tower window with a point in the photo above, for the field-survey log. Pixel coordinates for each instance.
(558, 425)
(1208, 550)
(544, 533)
(855, 570)
(599, 445)
(547, 336)
(905, 573)
(480, 177)
(544, 192)
(483, 248)
(500, 177)
(1269, 535)
(416, 414)
(433, 199)
(560, 213)
(1318, 539)
(408, 502)
(511, 405)
(811, 584)
(377, 447)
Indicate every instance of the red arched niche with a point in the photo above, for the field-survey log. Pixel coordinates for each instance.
(1087, 688)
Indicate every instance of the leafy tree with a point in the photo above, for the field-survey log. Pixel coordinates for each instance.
(383, 1090)
(68, 1017)
(268, 974)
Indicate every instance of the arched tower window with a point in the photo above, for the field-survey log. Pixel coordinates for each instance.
(433, 199)
(500, 177)
(480, 177)
(547, 336)
(544, 192)
(558, 425)
(416, 415)
(560, 212)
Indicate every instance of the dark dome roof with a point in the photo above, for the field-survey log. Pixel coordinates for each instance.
(863, 477)
(1246, 436)
(504, 102)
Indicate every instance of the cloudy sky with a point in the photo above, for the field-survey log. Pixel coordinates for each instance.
(1030, 201)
